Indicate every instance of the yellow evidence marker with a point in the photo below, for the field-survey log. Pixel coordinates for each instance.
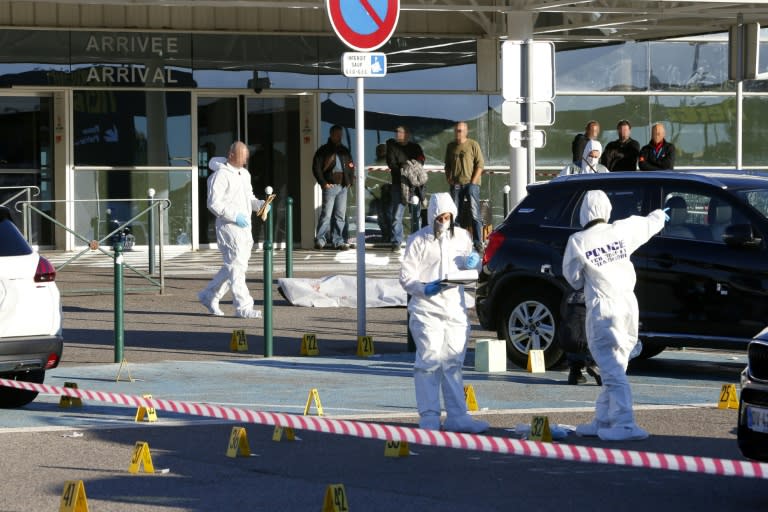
(313, 397)
(238, 343)
(396, 449)
(149, 412)
(364, 346)
(536, 361)
(277, 434)
(728, 397)
(70, 401)
(141, 456)
(73, 498)
(238, 443)
(335, 499)
(469, 397)
(309, 345)
(540, 430)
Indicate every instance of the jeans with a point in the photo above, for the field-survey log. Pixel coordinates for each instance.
(471, 191)
(397, 210)
(333, 215)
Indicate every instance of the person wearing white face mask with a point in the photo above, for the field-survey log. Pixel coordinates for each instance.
(590, 161)
(438, 315)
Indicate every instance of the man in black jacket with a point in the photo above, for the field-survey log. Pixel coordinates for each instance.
(622, 153)
(658, 154)
(399, 151)
(334, 171)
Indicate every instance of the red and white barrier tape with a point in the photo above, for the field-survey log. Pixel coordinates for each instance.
(684, 463)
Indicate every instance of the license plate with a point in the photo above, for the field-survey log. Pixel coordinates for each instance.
(757, 419)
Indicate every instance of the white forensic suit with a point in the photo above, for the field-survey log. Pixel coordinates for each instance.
(588, 164)
(439, 323)
(597, 259)
(230, 193)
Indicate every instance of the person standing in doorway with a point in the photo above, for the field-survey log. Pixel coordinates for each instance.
(464, 165)
(334, 171)
(658, 154)
(622, 153)
(400, 151)
(231, 200)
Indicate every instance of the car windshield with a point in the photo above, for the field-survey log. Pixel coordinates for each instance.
(758, 199)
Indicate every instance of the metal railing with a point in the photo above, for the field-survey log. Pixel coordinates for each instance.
(28, 190)
(160, 205)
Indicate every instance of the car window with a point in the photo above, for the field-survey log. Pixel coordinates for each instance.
(625, 202)
(544, 207)
(12, 243)
(698, 215)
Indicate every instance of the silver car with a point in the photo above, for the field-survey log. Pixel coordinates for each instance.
(30, 314)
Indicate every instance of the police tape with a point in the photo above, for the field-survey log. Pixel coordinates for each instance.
(491, 444)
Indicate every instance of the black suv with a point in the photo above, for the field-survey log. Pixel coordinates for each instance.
(701, 282)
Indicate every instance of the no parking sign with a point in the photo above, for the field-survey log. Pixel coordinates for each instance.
(363, 25)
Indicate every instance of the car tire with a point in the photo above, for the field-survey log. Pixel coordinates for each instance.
(531, 322)
(12, 397)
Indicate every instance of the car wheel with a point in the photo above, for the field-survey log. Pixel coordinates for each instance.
(531, 323)
(12, 397)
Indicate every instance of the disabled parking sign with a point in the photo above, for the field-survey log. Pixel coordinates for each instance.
(364, 64)
(363, 25)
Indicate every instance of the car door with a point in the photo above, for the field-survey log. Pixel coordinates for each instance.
(694, 284)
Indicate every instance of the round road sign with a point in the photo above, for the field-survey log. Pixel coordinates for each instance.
(363, 25)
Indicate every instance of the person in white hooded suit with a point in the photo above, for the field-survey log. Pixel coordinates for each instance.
(438, 315)
(597, 259)
(590, 161)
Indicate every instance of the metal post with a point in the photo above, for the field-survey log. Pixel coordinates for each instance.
(415, 214)
(118, 248)
(268, 287)
(161, 234)
(360, 167)
(411, 343)
(289, 237)
(151, 231)
(506, 190)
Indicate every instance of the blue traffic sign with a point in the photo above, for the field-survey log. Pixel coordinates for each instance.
(363, 25)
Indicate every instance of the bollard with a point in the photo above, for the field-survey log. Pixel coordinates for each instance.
(118, 248)
(268, 282)
(506, 190)
(415, 207)
(289, 237)
(151, 232)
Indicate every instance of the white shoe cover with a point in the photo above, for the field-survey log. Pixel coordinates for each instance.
(211, 304)
(429, 422)
(590, 429)
(466, 424)
(250, 313)
(625, 433)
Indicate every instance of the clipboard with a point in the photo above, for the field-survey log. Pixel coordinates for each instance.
(461, 277)
(262, 212)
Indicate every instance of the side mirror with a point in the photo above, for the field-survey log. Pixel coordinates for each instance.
(740, 235)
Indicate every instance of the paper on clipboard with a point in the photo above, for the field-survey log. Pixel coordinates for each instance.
(461, 277)
(262, 212)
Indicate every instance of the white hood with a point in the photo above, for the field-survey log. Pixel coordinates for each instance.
(439, 204)
(596, 205)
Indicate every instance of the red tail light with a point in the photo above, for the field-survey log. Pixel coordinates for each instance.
(45, 272)
(495, 240)
(52, 362)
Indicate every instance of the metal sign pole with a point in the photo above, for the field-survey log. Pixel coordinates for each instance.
(360, 192)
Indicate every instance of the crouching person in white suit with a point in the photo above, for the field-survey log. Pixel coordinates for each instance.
(438, 316)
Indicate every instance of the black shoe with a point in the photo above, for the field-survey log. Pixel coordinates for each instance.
(594, 371)
(396, 248)
(342, 247)
(319, 246)
(575, 377)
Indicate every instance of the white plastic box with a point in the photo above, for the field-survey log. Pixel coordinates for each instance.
(490, 356)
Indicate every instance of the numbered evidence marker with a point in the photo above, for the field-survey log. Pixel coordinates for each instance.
(238, 343)
(396, 449)
(309, 345)
(149, 412)
(728, 398)
(279, 431)
(238, 443)
(365, 346)
(540, 430)
(335, 499)
(73, 498)
(469, 397)
(141, 456)
(536, 361)
(314, 396)
(70, 401)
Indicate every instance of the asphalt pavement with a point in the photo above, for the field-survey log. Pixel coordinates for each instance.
(175, 350)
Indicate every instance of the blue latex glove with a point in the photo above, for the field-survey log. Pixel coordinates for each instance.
(242, 220)
(433, 288)
(666, 215)
(472, 260)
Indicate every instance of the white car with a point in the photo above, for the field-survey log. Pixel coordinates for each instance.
(30, 314)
